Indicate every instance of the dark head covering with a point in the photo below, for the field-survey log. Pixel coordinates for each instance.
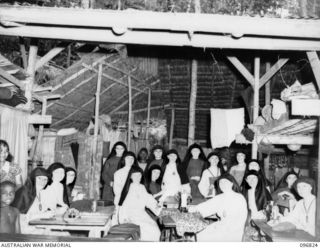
(26, 194)
(261, 173)
(113, 150)
(262, 194)
(283, 183)
(122, 161)
(307, 180)
(152, 157)
(220, 166)
(70, 186)
(149, 175)
(230, 178)
(126, 187)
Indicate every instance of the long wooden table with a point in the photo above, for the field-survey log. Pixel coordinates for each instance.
(97, 224)
(285, 236)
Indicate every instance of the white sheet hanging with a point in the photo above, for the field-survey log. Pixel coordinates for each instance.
(225, 124)
(14, 129)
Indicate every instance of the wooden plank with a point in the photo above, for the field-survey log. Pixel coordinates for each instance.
(171, 128)
(163, 38)
(282, 139)
(267, 87)
(48, 56)
(23, 53)
(39, 119)
(305, 107)
(130, 112)
(242, 69)
(192, 101)
(33, 51)
(272, 71)
(315, 65)
(254, 148)
(148, 116)
(12, 79)
(197, 22)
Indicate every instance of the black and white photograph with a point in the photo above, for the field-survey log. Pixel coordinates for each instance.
(159, 121)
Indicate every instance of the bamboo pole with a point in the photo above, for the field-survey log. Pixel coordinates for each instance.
(267, 87)
(254, 148)
(171, 128)
(95, 136)
(148, 118)
(130, 113)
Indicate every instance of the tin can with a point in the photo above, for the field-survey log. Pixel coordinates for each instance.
(94, 206)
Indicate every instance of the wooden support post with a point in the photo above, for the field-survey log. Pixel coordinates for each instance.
(315, 65)
(130, 113)
(31, 72)
(92, 192)
(267, 87)
(48, 56)
(242, 69)
(148, 118)
(193, 99)
(23, 53)
(273, 70)
(254, 148)
(171, 128)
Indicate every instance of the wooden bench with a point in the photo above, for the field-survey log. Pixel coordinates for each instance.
(168, 231)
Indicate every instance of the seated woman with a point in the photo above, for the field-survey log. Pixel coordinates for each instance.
(210, 175)
(256, 194)
(285, 192)
(153, 180)
(174, 178)
(238, 170)
(9, 171)
(55, 195)
(230, 206)
(29, 200)
(71, 177)
(258, 167)
(133, 201)
(304, 213)
(194, 162)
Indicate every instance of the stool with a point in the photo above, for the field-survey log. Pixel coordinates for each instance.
(190, 235)
(168, 229)
(124, 232)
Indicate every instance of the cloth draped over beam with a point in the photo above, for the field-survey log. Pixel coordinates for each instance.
(225, 124)
(14, 129)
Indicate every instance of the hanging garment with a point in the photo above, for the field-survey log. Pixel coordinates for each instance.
(225, 124)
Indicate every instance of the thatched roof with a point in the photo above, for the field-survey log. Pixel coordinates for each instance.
(77, 87)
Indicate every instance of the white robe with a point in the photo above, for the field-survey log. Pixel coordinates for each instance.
(171, 182)
(133, 211)
(120, 177)
(52, 196)
(232, 208)
(204, 184)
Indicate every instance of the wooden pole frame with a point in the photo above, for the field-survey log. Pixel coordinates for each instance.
(171, 127)
(130, 112)
(254, 148)
(48, 56)
(148, 118)
(31, 72)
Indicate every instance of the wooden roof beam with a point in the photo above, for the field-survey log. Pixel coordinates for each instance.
(12, 79)
(315, 65)
(112, 79)
(164, 38)
(273, 70)
(122, 71)
(242, 69)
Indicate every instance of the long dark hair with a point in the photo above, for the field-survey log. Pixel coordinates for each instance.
(230, 178)
(113, 150)
(126, 187)
(70, 186)
(219, 165)
(52, 168)
(122, 161)
(24, 202)
(283, 183)
(149, 175)
(262, 195)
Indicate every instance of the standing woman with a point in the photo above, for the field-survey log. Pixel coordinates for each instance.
(30, 201)
(142, 159)
(9, 171)
(230, 206)
(194, 162)
(133, 202)
(71, 177)
(174, 178)
(210, 175)
(156, 156)
(109, 168)
(238, 170)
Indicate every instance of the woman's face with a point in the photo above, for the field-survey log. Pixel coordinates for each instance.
(254, 166)
(158, 154)
(71, 175)
(129, 160)
(252, 180)
(225, 185)
(214, 160)
(136, 177)
(304, 189)
(172, 157)
(240, 157)
(58, 175)
(195, 152)
(143, 155)
(155, 174)
(291, 179)
(4, 152)
(119, 150)
(41, 182)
